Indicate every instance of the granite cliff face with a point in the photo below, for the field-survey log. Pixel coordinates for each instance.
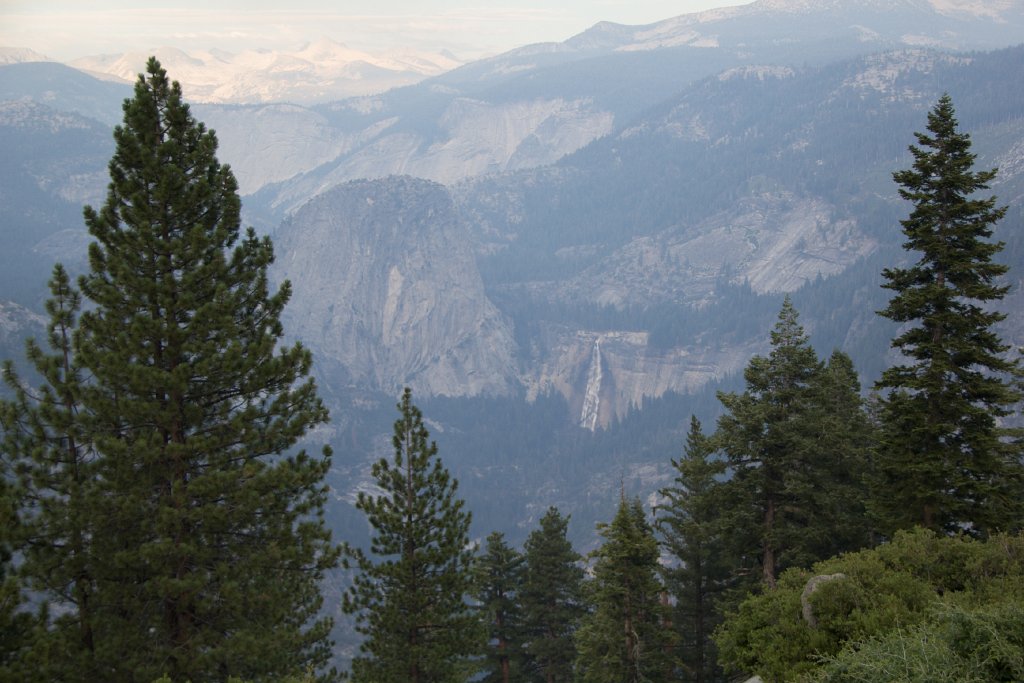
(604, 374)
(776, 242)
(470, 138)
(387, 291)
(386, 288)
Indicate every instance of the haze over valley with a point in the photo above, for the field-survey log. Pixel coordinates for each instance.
(570, 243)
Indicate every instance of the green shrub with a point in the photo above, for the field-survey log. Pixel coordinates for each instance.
(891, 598)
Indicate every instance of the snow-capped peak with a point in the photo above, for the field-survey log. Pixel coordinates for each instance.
(17, 55)
(319, 71)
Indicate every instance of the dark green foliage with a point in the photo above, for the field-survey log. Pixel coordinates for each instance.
(16, 623)
(794, 441)
(760, 435)
(944, 459)
(50, 447)
(835, 445)
(955, 645)
(626, 638)
(552, 601)
(918, 578)
(409, 595)
(691, 523)
(497, 581)
(167, 513)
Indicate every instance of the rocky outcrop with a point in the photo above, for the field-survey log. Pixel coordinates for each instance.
(470, 138)
(775, 242)
(815, 582)
(603, 375)
(272, 143)
(386, 287)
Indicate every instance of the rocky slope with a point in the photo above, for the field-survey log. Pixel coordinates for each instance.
(472, 138)
(386, 287)
(605, 374)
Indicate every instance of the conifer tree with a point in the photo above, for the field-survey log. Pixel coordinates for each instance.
(498, 578)
(49, 443)
(761, 435)
(552, 601)
(838, 441)
(796, 440)
(946, 462)
(691, 523)
(626, 638)
(17, 623)
(409, 594)
(203, 543)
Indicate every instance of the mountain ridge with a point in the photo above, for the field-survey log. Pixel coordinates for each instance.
(572, 310)
(319, 71)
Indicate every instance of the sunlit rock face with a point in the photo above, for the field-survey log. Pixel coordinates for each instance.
(386, 287)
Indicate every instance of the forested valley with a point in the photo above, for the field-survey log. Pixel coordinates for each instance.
(162, 523)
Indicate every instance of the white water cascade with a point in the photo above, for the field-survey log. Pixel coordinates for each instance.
(592, 396)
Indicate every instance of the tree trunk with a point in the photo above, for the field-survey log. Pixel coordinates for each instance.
(768, 548)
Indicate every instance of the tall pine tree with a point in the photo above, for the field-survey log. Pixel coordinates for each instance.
(796, 441)
(761, 435)
(626, 638)
(552, 601)
(409, 595)
(838, 442)
(202, 542)
(946, 462)
(692, 527)
(497, 583)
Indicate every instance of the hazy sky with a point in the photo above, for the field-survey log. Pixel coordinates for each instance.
(64, 29)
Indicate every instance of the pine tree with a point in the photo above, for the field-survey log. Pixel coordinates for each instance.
(498, 577)
(17, 624)
(626, 638)
(552, 601)
(946, 463)
(838, 440)
(410, 602)
(761, 435)
(49, 444)
(691, 523)
(203, 543)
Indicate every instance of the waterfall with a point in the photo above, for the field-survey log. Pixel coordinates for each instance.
(592, 396)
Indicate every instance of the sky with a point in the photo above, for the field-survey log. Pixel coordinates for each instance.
(66, 29)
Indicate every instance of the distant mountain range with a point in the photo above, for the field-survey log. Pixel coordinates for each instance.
(564, 249)
(325, 70)
(320, 71)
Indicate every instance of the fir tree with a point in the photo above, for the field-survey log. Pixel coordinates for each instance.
(796, 440)
(203, 545)
(552, 601)
(691, 522)
(626, 638)
(945, 461)
(17, 624)
(761, 435)
(49, 443)
(409, 595)
(498, 577)
(838, 442)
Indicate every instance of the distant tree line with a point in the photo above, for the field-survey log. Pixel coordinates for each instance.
(159, 525)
